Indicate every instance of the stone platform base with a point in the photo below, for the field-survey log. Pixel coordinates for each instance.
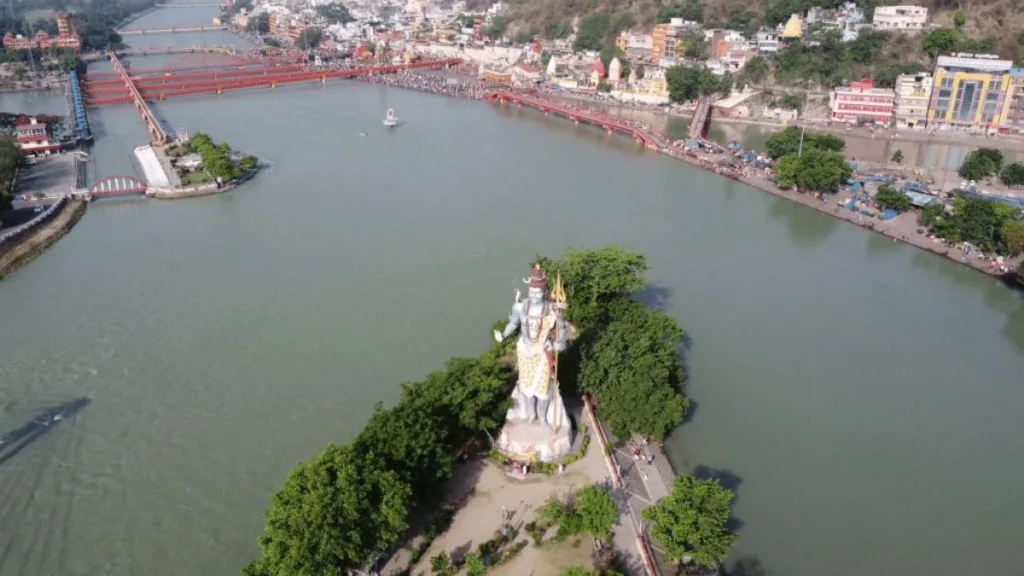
(524, 442)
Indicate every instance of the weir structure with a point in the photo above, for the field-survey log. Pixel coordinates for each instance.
(156, 132)
(139, 86)
(644, 138)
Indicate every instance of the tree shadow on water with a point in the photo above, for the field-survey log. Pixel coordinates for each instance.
(657, 297)
(728, 479)
(747, 565)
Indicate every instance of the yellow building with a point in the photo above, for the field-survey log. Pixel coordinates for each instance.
(794, 29)
(970, 91)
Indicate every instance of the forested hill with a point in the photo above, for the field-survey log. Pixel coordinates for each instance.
(999, 23)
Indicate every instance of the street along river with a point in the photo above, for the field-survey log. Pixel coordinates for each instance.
(861, 396)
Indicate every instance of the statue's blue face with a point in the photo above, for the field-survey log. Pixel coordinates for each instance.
(536, 295)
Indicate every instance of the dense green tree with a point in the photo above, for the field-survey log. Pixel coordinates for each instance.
(786, 171)
(815, 171)
(788, 142)
(595, 278)
(1012, 235)
(335, 513)
(440, 564)
(889, 198)
(867, 47)
(1013, 174)
(974, 220)
(11, 157)
(690, 523)
(981, 163)
(683, 83)
(897, 157)
(633, 369)
(959, 18)
(474, 564)
(755, 71)
(694, 46)
(596, 509)
(591, 31)
(940, 41)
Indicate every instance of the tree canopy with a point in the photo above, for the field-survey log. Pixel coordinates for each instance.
(11, 157)
(788, 142)
(889, 198)
(1013, 174)
(686, 83)
(626, 353)
(336, 512)
(978, 221)
(591, 32)
(981, 163)
(815, 171)
(690, 524)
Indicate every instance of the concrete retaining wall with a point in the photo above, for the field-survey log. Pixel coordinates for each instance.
(16, 253)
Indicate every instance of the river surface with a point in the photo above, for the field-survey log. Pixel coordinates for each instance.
(862, 397)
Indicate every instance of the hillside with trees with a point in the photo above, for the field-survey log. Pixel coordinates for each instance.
(968, 26)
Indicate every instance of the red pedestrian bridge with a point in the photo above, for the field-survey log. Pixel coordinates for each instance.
(100, 90)
(112, 186)
(577, 116)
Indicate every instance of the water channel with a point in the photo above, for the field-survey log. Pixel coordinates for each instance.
(862, 397)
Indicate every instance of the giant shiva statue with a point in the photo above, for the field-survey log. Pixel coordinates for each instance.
(543, 332)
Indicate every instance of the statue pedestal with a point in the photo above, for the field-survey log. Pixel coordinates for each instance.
(525, 442)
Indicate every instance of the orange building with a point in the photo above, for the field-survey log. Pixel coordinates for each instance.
(66, 37)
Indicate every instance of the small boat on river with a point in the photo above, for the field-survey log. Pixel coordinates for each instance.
(390, 120)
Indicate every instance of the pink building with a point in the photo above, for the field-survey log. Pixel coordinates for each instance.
(861, 102)
(34, 139)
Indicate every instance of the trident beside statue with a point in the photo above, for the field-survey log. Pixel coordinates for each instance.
(559, 300)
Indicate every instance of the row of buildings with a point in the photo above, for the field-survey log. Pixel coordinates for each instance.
(978, 92)
(728, 50)
(66, 38)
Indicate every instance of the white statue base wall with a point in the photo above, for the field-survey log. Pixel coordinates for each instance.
(522, 441)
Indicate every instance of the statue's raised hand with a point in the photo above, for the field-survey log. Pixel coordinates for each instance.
(498, 337)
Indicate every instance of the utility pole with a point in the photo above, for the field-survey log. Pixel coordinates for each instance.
(32, 37)
(803, 129)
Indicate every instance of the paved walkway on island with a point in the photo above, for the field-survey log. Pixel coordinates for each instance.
(490, 491)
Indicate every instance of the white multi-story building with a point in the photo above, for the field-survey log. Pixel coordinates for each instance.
(767, 42)
(913, 93)
(901, 18)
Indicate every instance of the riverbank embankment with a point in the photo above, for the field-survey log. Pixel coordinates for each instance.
(40, 234)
